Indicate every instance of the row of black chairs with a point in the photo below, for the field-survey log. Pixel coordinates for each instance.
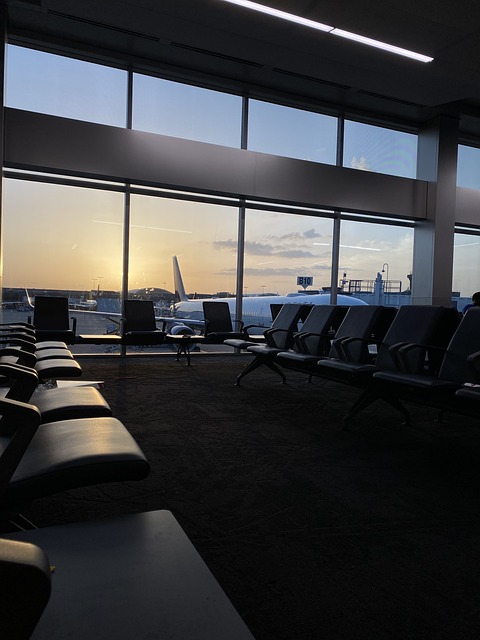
(53, 439)
(52, 321)
(420, 353)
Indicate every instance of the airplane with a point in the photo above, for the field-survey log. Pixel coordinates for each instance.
(255, 309)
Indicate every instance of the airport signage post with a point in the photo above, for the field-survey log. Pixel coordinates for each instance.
(304, 281)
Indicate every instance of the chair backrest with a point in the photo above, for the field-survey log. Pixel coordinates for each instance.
(464, 342)
(321, 320)
(287, 319)
(359, 323)
(417, 324)
(51, 313)
(138, 315)
(217, 316)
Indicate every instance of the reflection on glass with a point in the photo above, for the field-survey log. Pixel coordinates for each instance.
(292, 133)
(375, 252)
(184, 111)
(381, 150)
(63, 240)
(468, 167)
(60, 86)
(280, 246)
(466, 265)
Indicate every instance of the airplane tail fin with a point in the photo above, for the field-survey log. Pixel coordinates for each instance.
(180, 293)
(29, 300)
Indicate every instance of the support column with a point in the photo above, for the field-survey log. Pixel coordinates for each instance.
(3, 32)
(434, 238)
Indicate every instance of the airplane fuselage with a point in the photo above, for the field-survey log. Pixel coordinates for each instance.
(256, 309)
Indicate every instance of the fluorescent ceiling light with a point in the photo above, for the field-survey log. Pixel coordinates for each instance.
(333, 30)
(381, 45)
(281, 14)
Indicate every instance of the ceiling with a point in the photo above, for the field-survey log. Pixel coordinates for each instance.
(221, 44)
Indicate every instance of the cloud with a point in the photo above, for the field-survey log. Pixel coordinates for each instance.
(360, 163)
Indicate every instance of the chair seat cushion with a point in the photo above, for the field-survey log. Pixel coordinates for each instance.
(239, 343)
(58, 368)
(426, 383)
(263, 350)
(75, 453)
(295, 359)
(67, 404)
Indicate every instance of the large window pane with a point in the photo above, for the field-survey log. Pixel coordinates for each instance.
(60, 86)
(202, 236)
(466, 267)
(184, 111)
(468, 167)
(375, 262)
(280, 246)
(61, 240)
(381, 150)
(292, 133)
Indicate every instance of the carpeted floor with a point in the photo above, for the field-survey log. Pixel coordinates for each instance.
(313, 533)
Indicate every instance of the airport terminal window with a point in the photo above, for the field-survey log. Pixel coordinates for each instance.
(368, 250)
(58, 238)
(184, 111)
(466, 265)
(468, 167)
(381, 150)
(281, 246)
(292, 133)
(202, 236)
(66, 87)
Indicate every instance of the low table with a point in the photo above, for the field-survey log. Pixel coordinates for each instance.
(184, 341)
(136, 576)
(101, 338)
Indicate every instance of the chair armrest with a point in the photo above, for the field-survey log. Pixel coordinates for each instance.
(74, 325)
(24, 358)
(270, 335)
(26, 345)
(255, 326)
(301, 340)
(26, 576)
(25, 381)
(474, 361)
(405, 353)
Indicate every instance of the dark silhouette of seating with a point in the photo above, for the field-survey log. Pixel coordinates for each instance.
(219, 325)
(26, 586)
(139, 326)
(279, 337)
(39, 459)
(51, 319)
(22, 384)
(439, 388)
(361, 326)
(313, 339)
(424, 324)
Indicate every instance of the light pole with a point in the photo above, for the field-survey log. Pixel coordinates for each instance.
(385, 264)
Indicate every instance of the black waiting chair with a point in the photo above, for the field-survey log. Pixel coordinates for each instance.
(424, 324)
(314, 338)
(22, 384)
(51, 319)
(358, 322)
(279, 337)
(459, 371)
(39, 459)
(139, 326)
(219, 325)
(47, 369)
